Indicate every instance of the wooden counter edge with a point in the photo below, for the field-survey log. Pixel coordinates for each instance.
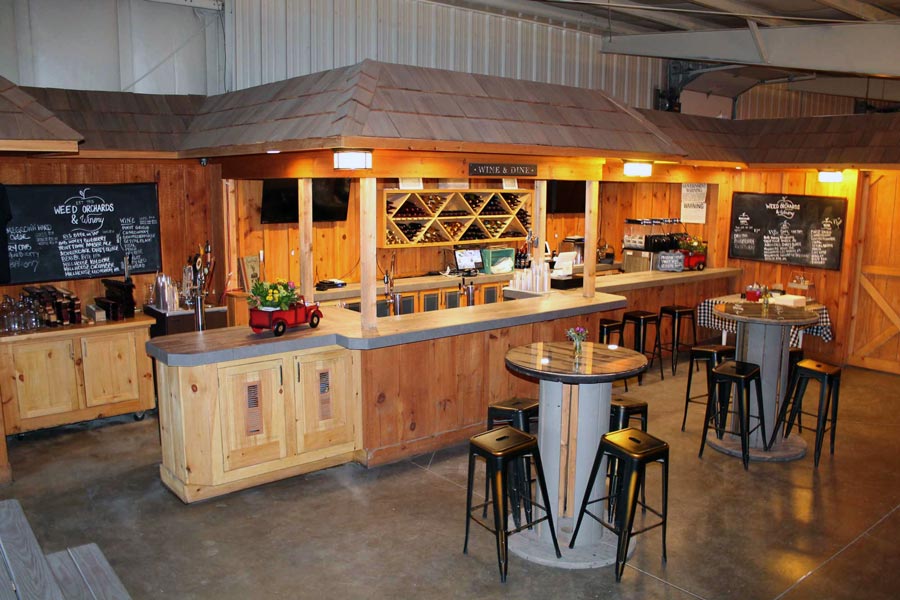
(46, 333)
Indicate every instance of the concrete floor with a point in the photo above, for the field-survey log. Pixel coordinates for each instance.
(781, 530)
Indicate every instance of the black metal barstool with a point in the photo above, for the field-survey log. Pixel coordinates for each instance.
(607, 328)
(622, 410)
(633, 450)
(741, 375)
(712, 355)
(610, 326)
(518, 412)
(795, 356)
(641, 319)
(829, 378)
(677, 313)
(501, 448)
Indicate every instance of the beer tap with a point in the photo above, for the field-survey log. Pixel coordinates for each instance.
(389, 294)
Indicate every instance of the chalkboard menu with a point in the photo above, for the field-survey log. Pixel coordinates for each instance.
(62, 232)
(781, 228)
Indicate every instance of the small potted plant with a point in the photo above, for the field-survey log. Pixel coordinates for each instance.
(277, 306)
(694, 250)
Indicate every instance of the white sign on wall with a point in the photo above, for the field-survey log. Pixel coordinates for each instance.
(693, 203)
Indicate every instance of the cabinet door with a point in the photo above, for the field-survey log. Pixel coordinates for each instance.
(110, 368)
(450, 298)
(251, 413)
(45, 378)
(490, 293)
(322, 394)
(407, 304)
(431, 301)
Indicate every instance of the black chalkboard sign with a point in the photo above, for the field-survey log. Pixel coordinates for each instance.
(782, 228)
(62, 232)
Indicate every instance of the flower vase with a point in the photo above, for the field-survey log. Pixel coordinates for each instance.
(577, 347)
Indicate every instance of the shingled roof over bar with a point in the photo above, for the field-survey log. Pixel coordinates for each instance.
(382, 105)
(122, 120)
(27, 126)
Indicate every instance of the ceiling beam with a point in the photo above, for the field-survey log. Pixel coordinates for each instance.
(866, 48)
(648, 13)
(533, 10)
(862, 10)
(742, 10)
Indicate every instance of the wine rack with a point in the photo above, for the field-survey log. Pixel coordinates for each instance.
(445, 217)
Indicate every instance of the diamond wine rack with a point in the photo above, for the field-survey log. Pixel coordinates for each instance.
(434, 217)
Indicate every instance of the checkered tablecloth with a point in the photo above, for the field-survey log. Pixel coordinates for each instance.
(707, 317)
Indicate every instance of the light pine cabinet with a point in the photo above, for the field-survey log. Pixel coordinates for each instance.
(237, 424)
(322, 396)
(44, 378)
(66, 375)
(110, 365)
(251, 413)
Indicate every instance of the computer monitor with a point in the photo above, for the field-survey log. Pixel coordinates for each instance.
(468, 259)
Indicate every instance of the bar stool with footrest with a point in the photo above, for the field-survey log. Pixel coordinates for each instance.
(633, 450)
(740, 375)
(621, 411)
(610, 326)
(795, 356)
(518, 412)
(501, 448)
(712, 355)
(677, 313)
(829, 378)
(607, 328)
(640, 319)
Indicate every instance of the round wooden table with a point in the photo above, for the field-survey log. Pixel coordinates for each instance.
(763, 338)
(575, 397)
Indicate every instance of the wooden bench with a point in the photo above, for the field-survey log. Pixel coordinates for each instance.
(81, 572)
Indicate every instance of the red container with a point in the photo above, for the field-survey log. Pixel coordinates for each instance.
(279, 320)
(753, 295)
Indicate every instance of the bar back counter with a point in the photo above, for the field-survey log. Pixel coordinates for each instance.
(239, 409)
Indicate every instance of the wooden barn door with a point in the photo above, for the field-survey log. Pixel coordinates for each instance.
(875, 324)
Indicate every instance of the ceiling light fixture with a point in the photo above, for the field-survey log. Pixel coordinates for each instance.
(352, 159)
(831, 176)
(273, 151)
(638, 169)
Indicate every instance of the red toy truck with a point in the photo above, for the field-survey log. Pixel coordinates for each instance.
(279, 320)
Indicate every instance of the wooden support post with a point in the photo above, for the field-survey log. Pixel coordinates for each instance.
(368, 274)
(304, 217)
(229, 253)
(539, 222)
(591, 227)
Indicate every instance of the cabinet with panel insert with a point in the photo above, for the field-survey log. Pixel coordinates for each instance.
(452, 217)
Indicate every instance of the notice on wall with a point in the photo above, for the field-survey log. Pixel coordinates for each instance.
(82, 231)
(693, 203)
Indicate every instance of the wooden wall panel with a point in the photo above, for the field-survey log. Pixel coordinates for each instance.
(427, 395)
(185, 195)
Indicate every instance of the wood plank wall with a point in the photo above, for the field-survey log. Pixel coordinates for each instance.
(188, 198)
(405, 414)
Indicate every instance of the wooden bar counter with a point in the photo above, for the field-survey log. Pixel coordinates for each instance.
(239, 409)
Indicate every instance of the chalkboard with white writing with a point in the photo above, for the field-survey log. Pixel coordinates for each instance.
(784, 228)
(60, 232)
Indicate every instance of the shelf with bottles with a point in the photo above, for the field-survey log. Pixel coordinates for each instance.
(442, 217)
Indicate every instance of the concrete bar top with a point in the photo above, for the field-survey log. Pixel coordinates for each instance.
(623, 282)
(342, 327)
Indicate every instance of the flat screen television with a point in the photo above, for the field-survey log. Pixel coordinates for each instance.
(331, 198)
(565, 196)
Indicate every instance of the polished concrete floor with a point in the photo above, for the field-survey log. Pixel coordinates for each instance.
(781, 530)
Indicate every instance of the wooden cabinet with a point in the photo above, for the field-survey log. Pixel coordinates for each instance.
(44, 379)
(110, 368)
(66, 375)
(238, 424)
(443, 217)
(489, 293)
(252, 413)
(322, 395)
